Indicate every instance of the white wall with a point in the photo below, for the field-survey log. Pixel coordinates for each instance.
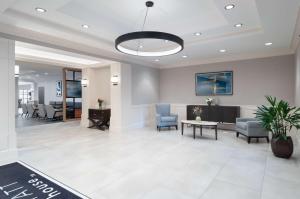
(49, 83)
(100, 85)
(297, 77)
(8, 152)
(98, 88)
(124, 114)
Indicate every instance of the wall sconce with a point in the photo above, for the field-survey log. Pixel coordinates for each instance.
(115, 80)
(84, 82)
(17, 70)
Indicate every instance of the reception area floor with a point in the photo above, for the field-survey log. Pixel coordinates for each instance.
(145, 164)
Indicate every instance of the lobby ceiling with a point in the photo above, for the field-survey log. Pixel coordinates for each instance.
(207, 28)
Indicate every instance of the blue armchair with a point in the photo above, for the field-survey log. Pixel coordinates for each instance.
(164, 118)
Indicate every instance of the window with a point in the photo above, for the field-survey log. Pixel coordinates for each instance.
(26, 96)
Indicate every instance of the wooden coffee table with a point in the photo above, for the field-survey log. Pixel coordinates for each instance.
(200, 124)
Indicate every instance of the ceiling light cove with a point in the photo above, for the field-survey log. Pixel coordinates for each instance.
(268, 44)
(238, 25)
(139, 36)
(222, 51)
(40, 10)
(229, 6)
(27, 52)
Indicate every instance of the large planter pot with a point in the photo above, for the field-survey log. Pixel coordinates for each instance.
(282, 148)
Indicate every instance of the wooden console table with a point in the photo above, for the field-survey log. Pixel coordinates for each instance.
(100, 118)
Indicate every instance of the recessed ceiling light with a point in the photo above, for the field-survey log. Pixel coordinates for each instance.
(40, 10)
(166, 41)
(197, 33)
(157, 60)
(268, 44)
(238, 25)
(85, 26)
(184, 56)
(229, 6)
(141, 46)
(46, 73)
(222, 51)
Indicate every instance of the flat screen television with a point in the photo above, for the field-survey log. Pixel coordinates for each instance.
(73, 89)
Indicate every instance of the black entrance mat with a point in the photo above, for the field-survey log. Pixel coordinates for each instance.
(20, 182)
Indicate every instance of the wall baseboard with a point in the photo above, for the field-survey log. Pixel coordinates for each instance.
(8, 156)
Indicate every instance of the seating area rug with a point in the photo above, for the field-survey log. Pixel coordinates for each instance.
(18, 181)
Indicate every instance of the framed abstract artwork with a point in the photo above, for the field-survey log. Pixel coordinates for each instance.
(58, 88)
(214, 83)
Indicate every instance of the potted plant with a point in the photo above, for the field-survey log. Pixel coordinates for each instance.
(279, 118)
(100, 101)
(209, 101)
(197, 112)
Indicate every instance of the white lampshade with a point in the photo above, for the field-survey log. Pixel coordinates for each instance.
(84, 82)
(17, 70)
(115, 80)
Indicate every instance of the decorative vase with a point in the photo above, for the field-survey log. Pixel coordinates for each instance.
(282, 148)
(198, 118)
(100, 105)
(209, 103)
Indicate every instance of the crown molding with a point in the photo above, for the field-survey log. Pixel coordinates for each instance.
(36, 38)
(234, 57)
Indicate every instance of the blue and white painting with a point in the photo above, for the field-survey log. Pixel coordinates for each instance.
(216, 83)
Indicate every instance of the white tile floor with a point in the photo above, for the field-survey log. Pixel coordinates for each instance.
(145, 164)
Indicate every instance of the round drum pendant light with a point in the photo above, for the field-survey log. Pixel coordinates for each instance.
(178, 43)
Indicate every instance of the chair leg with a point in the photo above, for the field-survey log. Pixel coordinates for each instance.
(237, 134)
(268, 139)
(249, 140)
(176, 127)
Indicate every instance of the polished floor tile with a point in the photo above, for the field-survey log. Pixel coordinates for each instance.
(145, 164)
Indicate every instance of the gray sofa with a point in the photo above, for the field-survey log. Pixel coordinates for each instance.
(251, 128)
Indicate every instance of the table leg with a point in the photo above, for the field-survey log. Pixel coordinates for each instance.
(182, 125)
(216, 132)
(201, 130)
(194, 131)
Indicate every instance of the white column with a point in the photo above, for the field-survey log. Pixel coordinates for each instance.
(86, 74)
(16, 96)
(8, 152)
(116, 99)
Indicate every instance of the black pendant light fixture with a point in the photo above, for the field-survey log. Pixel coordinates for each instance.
(170, 38)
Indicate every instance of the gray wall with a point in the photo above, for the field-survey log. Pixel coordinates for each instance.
(297, 76)
(145, 85)
(252, 80)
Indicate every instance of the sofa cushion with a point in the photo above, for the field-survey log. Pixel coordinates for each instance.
(242, 125)
(168, 119)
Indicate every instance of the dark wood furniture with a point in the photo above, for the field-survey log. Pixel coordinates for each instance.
(100, 118)
(221, 114)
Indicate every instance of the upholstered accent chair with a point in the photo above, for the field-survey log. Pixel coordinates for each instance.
(251, 128)
(164, 118)
(53, 113)
(41, 111)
